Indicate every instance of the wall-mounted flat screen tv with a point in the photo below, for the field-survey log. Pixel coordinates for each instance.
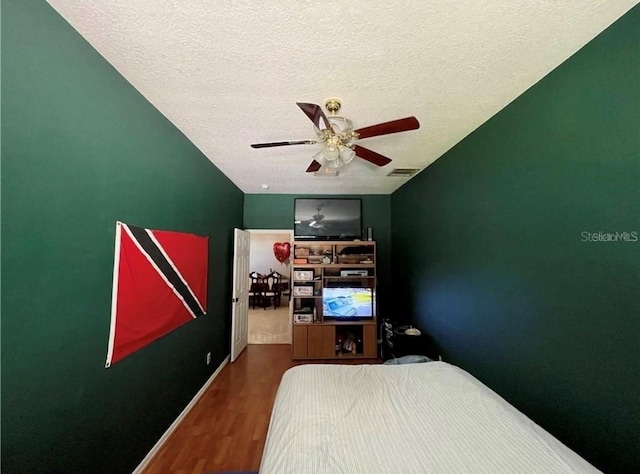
(327, 219)
(347, 303)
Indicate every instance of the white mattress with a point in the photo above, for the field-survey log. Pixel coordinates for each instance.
(414, 418)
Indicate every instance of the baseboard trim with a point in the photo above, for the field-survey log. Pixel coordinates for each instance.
(151, 454)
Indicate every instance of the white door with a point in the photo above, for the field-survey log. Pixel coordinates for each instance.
(240, 298)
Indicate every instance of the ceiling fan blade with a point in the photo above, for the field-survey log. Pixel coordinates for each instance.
(315, 113)
(371, 156)
(313, 167)
(395, 126)
(291, 142)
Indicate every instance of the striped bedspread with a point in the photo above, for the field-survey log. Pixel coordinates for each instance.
(414, 418)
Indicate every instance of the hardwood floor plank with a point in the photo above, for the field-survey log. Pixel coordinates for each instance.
(199, 467)
(227, 428)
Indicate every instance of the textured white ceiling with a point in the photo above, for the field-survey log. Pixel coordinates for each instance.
(228, 73)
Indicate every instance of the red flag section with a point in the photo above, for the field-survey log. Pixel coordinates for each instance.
(182, 247)
(160, 283)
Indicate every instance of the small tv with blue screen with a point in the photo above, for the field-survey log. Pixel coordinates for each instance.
(348, 303)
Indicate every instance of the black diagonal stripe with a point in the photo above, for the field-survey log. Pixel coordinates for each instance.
(165, 267)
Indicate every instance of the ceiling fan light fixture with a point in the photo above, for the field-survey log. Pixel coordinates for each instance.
(331, 149)
(322, 134)
(330, 154)
(346, 154)
(337, 163)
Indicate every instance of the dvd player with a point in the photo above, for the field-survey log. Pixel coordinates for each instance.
(356, 273)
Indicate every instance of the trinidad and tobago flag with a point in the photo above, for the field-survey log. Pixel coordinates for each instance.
(159, 283)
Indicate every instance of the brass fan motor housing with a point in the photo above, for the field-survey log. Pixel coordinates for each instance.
(333, 105)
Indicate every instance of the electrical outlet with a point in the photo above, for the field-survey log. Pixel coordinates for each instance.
(208, 358)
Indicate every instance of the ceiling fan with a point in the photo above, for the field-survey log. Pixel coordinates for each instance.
(338, 137)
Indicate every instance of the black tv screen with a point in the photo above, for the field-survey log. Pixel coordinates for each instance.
(327, 219)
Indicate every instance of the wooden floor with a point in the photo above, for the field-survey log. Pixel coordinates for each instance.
(226, 429)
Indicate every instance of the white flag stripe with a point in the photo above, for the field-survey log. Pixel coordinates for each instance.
(114, 295)
(153, 237)
(162, 275)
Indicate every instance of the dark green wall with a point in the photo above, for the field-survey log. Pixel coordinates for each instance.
(488, 242)
(275, 211)
(80, 150)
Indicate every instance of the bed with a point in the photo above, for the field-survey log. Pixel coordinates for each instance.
(412, 418)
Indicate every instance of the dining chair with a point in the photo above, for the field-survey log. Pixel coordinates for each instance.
(256, 289)
(285, 289)
(272, 293)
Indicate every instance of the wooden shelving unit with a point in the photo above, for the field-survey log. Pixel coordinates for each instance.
(321, 265)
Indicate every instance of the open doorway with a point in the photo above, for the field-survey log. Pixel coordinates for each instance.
(269, 318)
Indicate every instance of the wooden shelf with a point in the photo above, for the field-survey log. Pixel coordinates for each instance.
(318, 340)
